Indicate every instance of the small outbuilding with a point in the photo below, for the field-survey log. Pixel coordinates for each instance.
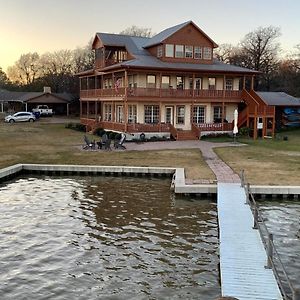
(60, 103)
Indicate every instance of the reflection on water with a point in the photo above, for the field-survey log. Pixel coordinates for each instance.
(283, 220)
(105, 238)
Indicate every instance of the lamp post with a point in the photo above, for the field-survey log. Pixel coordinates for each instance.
(235, 122)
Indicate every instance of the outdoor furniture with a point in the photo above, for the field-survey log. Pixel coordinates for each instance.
(107, 144)
(88, 144)
(119, 143)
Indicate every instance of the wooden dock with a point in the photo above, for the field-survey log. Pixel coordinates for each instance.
(242, 254)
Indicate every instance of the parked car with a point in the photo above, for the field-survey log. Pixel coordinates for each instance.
(22, 116)
(44, 110)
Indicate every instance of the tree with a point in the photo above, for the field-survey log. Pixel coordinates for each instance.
(3, 79)
(137, 31)
(26, 69)
(83, 58)
(261, 49)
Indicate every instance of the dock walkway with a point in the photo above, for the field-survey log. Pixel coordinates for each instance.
(242, 254)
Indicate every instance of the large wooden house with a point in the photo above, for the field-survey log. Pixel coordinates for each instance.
(169, 85)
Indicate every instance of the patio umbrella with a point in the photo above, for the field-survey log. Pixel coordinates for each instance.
(235, 128)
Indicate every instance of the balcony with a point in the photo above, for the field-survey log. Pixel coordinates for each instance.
(161, 93)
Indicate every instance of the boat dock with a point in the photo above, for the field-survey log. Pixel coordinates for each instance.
(242, 254)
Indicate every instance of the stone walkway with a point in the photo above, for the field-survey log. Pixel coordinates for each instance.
(222, 171)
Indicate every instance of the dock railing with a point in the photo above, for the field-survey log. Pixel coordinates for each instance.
(273, 258)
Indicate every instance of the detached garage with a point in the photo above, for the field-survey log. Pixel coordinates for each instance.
(60, 103)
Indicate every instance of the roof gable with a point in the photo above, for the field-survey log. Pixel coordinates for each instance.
(167, 33)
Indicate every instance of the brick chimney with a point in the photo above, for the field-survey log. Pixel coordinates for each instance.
(47, 89)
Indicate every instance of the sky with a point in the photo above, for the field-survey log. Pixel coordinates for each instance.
(49, 25)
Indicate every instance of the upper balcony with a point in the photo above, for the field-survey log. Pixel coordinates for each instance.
(146, 93)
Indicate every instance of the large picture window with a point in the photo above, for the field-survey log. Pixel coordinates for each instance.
(218, 114)
(179, 53)
(151, 114)
(199, 114)
(169, 50)
(180, 113)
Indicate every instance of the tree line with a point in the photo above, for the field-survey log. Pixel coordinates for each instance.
(258, 50)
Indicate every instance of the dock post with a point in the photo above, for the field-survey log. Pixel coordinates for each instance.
(296, 294)
(270, 251)
(247, 193)
(255, 224)
(242, 178)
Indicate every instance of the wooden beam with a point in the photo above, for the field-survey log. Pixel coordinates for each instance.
(125, 101)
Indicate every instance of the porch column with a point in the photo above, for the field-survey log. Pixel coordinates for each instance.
(87, 109)
(68, 109)
(96, 111)
(224, 80)
(125, 101)
(273, 127)
(193, 87)
(160, 112)
(80, 103)
(244, 82)
(2, 108)
(160, 79)
(223, 114)
(26, 106)
(252, 82)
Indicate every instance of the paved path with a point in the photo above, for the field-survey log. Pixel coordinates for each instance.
(222, 171)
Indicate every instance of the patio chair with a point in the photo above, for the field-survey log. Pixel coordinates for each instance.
(88, 144)
(119, 143)
(107, 144)
(102, 141)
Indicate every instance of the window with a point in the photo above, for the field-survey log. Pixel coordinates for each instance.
(207, 53)
(179, 51)
(159, 51)
(107, 112)
(165, 82)
(217, 117)
(197, 52)
(198, 83)
(211, 83)
(179, 82)
(229, 84)
(189, 51)
(151, 81)
(169, 50)
(119, 116)
(198, 114)
(132, 114)
(151, 114)
(180, 112)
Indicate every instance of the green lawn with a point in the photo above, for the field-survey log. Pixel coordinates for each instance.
(267, 161)
(54, 144)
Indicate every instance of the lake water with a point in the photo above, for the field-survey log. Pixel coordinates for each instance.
(105, 238)
(282, 218)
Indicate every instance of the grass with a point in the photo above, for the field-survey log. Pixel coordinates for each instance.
(54, 144)
(267, 161)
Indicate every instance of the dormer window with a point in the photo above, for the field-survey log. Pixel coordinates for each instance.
(207, 53)
(179, 53)
(189, 51)
(169, 50)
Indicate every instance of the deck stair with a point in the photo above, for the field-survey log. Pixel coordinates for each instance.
(184, 135)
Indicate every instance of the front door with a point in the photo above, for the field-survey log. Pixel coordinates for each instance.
(170, 115)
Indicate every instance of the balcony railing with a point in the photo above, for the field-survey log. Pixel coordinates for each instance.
(160, 93)
(215, 126)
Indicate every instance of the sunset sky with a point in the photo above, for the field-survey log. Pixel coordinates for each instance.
(49, 25)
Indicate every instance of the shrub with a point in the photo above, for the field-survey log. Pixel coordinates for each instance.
(244, 131)
(76, 126)
(99, 131)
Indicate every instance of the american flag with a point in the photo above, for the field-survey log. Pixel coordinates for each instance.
(117, 84)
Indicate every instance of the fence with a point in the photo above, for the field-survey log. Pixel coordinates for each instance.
(273, 258)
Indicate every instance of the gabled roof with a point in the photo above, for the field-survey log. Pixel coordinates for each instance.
(278, 99)
(160, 37)
(6, 95)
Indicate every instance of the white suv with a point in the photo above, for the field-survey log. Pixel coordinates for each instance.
(22, 116)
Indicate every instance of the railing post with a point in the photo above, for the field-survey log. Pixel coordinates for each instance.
(247, 193)
(242, 178)
(270, 251)
(296, 294)
(255, 217)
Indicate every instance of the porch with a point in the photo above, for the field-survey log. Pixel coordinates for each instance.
(197, 129)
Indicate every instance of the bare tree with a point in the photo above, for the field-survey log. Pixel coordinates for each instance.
(137, 31)
(26, 69)
(83, 58)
